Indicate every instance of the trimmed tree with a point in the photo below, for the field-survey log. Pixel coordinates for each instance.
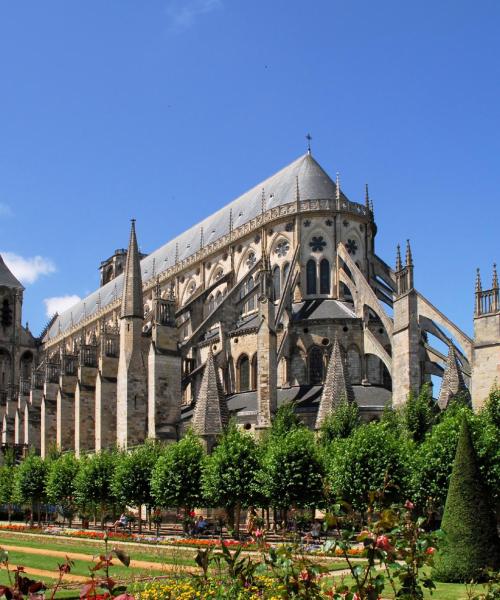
(93, 482)
(29, 483)
(372, 460)
(292, 470)
(470, 541)
(7, 488)
(176, 478)
(60, 483)
(132, 477)
(229, 475)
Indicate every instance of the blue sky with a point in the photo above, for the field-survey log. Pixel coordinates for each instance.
(167, 109)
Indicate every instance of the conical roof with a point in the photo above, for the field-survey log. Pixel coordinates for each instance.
(337, 387)
(279, 189)
(453, 380)
(132, 305)
(7, 279)
(210, 414)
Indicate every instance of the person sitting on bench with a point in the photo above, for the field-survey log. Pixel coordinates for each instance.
(201, 525)
(122, 522)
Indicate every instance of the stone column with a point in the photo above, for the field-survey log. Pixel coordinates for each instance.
(65, 409)
(85, 393)
(48, 430)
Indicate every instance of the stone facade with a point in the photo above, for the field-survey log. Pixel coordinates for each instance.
(277, 297)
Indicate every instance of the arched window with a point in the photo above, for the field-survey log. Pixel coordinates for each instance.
(324, 277)
(211, 304)
(244, 373)
(276, 283)
(4, 367)
(315, 365)
(218, 298)
(311, 276)
(286, 269)
(254, 371)
(251, 299)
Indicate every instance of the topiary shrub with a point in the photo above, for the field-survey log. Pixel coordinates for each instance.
(470, 541)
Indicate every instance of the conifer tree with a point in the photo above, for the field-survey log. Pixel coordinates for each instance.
(470, 541)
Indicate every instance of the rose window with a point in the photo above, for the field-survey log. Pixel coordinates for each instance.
(282, 248)
(317, 244)
(251, 260)
(351, 247)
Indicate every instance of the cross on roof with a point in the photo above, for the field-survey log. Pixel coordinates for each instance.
(309, 138)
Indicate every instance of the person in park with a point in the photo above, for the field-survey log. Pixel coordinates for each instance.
(250, 524)
(121, 522)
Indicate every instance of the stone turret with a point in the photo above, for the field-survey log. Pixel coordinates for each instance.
(210, 415)
(486, 350)
(453, 382)
(131, 385)
(337, 387)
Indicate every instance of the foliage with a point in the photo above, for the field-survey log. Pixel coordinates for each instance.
(284, 421)
(396, 541)
(229, 475)
(292, 470)
(6, 486)
(131, 483)
(373, 458)
(60, 483)
(470, 541)
(344, 420)
(418, 414)
(93, 482)
(486, 438)
(29, 482)
(492, 407)
(434, 459)
(176, 477)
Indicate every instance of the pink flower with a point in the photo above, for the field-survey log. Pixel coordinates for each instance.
(409, 505)
(383, 543)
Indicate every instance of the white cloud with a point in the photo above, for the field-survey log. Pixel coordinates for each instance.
(183, 13)
(58, 304)
(5, 210)
(28, 270)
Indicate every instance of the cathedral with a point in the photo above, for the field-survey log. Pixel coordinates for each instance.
(277, 297)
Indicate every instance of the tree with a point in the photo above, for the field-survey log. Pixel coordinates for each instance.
(132, 477)
(7, 487)
(229, 474)
(29, 483)
(93, 482)
(418, 414)
(60, 483)
(344, 420)
(176, 478)
(372, 460)
(486, 437)
(434, 460)
(284, 421)
(470, 541)
(292, 470)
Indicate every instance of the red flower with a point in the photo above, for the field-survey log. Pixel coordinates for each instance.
(430, 550)
(383, 543)
(409, 505)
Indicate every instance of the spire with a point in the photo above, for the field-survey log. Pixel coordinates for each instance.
(309, 138)
(337, 387)
(399, 264)
(453, 381)
(337, 185)
(210, 414)
(201, 238)
(494, 285)
(367, 197)
(263, 202)
(409, 258)
(132, 305)
(479, 287)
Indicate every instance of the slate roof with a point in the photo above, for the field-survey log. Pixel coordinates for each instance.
(279, 189)
(323, 308)
(7, 279)
(307, 398)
